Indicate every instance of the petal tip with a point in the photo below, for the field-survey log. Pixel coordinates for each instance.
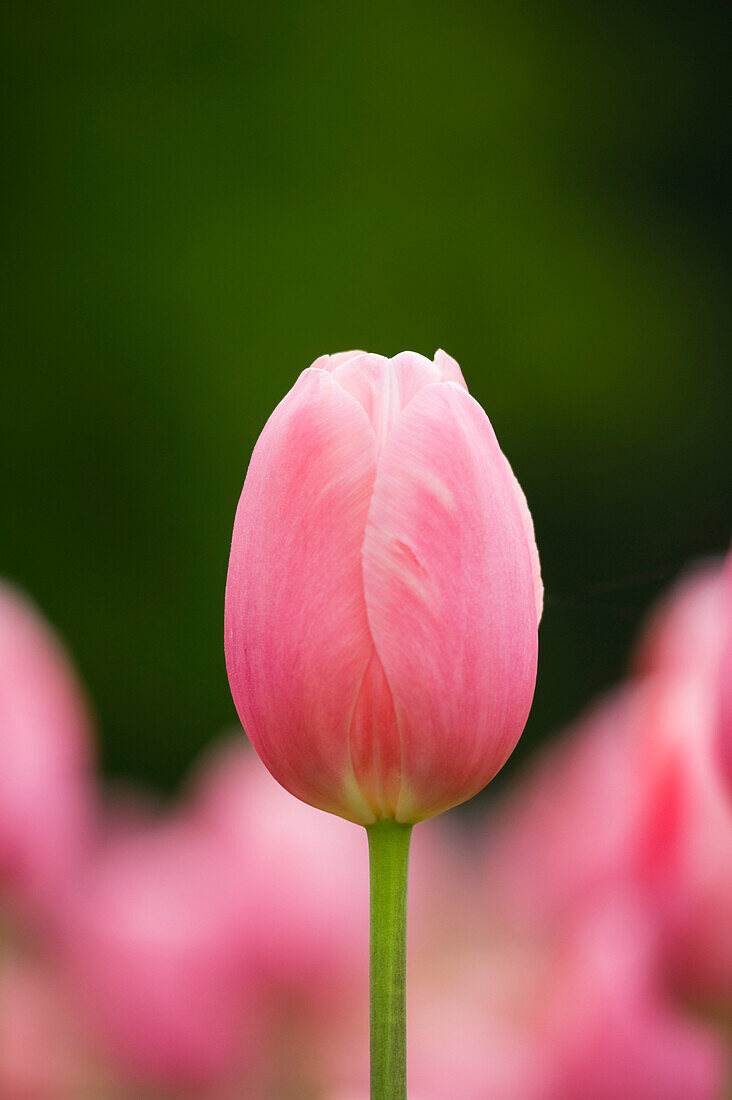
(449, 368)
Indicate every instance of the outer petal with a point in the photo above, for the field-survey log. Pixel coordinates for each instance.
(451, 600)
(449, 368)
(531, 540)
(330, 362)
(297, 637)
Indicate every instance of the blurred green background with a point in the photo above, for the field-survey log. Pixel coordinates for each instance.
(199, 199)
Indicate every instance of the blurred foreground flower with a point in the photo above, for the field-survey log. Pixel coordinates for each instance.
(686, 830)
(724, 739)
(150, 937)
(301, 897)
(45, 760)
(43, 1050)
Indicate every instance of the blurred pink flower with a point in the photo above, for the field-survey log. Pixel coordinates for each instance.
(150, 939)
(685, 834)
(470, 1031)
(298, 875)
(566, 833)
(632, 797)
(685, 631)
(43, 1052)
(609, 1025)
(686, 828)
(724, 736)
(612, 858)
(383, 593)
(45, 769)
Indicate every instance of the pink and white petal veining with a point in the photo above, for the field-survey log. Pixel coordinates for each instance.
(297, 637)
(450, 597)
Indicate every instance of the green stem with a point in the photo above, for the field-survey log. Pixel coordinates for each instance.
(388, 862)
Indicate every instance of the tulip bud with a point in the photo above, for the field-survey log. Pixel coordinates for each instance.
(383, 593)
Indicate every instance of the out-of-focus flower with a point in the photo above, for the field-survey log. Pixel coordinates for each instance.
(685, 832)
(471, 1024)
(150, 940)
(724, 734)
(383, 593)
(565, 835)
(43, 1052)
(299, 878)
(609, 1026)
(685, 632)
(45, 749)
(612, 859)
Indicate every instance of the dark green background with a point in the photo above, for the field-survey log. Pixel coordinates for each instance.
(198, 199)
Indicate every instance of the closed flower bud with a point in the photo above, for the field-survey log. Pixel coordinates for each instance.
(383, 594)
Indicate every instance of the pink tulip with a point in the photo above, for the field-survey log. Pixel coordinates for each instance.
(151, 938)
(45, 739)
(383, 593)
(685, 834)
(612, 858)
(689, 636)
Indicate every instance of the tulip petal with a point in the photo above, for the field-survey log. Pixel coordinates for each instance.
(330, 362)
(297, 638)
(450, 598)
(528, 525)
(449, 368)
(385, 386)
